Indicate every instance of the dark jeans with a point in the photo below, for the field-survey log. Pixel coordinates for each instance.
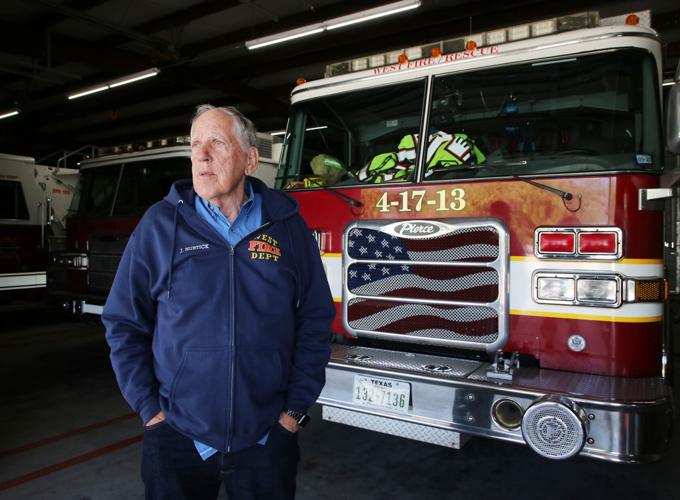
(173, 469)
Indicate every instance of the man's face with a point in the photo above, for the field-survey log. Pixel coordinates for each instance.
(218, 164)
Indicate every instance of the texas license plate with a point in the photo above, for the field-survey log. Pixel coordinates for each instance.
(382, 393)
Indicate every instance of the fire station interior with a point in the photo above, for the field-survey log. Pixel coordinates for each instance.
(81, 77)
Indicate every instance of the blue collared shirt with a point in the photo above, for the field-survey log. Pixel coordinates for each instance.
(248, 220)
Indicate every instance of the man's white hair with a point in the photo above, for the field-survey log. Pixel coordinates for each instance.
(244, 129)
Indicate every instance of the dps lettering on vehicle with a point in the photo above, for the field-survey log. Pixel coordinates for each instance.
(477, 207)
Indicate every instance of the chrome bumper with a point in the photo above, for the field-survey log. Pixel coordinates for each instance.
(629, 420)
(82, 307)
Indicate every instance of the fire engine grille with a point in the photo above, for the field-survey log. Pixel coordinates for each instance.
(466, 244)
(468, 323)
(104, 255)
(434, 282)
(467, 283)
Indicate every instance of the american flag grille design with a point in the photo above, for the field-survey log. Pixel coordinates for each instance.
(469, 244)
(459, 323)
(444, 289)
(468, 284)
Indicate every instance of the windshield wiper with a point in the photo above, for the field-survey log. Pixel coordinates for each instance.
(344, 197)
(565, 195)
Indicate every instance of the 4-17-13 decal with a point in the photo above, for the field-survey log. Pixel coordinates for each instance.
(443, 200)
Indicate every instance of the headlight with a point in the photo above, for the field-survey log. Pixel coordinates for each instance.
(555, 288)
(603, 290)
(597, 290)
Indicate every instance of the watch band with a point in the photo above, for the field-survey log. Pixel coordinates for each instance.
(300, 417)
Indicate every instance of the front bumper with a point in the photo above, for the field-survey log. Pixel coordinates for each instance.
(628, 420)
(81, 305)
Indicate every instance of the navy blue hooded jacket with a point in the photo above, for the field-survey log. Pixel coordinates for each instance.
(220, 338)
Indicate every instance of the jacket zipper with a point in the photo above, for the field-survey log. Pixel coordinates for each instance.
(232, 353)
(232, 339)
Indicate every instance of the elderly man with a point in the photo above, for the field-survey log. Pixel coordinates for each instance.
(219, 322)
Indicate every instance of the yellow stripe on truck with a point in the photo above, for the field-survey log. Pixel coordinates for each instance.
(521, 258)
(587, 317)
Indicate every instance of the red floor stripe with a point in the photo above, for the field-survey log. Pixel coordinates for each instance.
(70, 462)
(64, 435)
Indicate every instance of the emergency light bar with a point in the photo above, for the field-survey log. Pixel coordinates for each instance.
(490, 38)
(180, 140)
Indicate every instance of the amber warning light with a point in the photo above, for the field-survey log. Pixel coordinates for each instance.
(632, 20)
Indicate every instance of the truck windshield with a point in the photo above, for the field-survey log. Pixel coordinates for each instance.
(127, 189)
(577, 114)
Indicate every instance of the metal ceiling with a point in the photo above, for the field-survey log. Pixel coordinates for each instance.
(50, 48)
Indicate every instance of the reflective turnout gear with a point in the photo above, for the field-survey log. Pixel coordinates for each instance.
(385, 167)
(446, 150)
(443, 150)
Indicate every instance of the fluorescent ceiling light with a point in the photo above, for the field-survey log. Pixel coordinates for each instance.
(93, 90)
(284, 37)
(10, 113)
(281, 132)
(135, 77)
(667, 83)
(370, 14)
(337, 22)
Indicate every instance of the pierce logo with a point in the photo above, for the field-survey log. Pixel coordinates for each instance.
(416, 229)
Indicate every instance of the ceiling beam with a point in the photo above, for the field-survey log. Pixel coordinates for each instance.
(48, 21)
(83, 17)
(127, 113)
(26, 41)
(176, 19)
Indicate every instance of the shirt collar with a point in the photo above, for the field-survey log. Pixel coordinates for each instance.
(215, 211)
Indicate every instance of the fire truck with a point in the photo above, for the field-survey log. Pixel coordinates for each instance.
(33, 203)
(490, 214)
(115, 189)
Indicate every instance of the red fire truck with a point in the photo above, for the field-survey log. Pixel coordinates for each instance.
(33, 204)
(487, 212)
(115, 189)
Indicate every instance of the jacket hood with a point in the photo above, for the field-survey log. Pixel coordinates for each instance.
(275, 204)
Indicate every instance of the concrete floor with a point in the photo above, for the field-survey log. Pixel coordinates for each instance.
(66, 433)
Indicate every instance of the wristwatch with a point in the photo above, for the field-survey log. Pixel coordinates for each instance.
(300, 417)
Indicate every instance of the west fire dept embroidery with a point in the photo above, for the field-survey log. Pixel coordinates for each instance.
(264, 247)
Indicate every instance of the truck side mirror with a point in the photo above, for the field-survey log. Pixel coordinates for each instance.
(673, 116)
